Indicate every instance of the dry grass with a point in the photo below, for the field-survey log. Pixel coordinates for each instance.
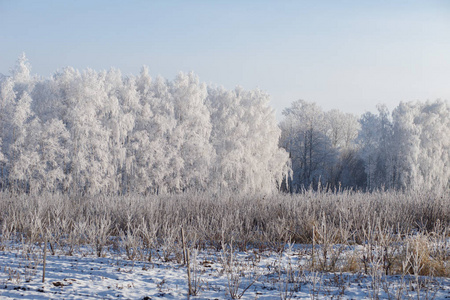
(398, 232)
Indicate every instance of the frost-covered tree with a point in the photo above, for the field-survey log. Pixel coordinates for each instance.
(21, 72)
(226, 138)
(341, 128)
(53, 147)
(434, 157)
(23, 152)
(244, 136)
(149, 150)
(117, 117)
(368, 139)
(191, 135)
(310, 149)
(376, 141)
(7, 105)
(407, 144)
(422, 132)
(411, 151)
(124, 122)
(92, 168)
(322, 146)
(21, 75)
(16, 124)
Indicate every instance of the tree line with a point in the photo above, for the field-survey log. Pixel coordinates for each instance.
(101, 132)
(406, 149)
(95, 132)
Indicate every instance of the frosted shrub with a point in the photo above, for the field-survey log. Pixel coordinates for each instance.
(98, 233)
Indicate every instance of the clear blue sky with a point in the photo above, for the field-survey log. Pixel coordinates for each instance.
(348, 55)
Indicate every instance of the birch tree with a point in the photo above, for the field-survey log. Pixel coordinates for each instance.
(190, 137)
(244, 136)
(306, 141)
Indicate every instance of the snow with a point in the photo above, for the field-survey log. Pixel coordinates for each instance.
(85, 276)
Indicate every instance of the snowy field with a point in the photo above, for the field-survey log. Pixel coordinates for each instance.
(383, 245)
(214, 275)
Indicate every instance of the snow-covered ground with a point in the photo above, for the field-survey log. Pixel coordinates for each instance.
(215, 275)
